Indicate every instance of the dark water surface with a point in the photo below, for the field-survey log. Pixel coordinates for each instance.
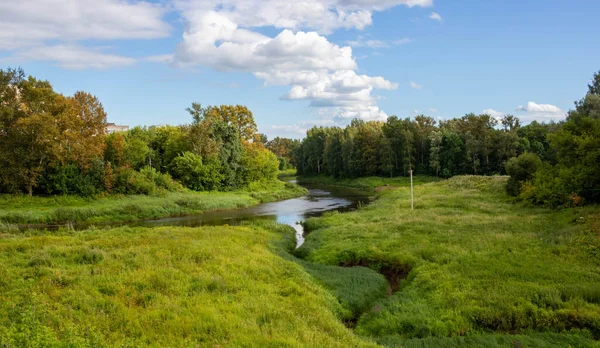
(318, 200)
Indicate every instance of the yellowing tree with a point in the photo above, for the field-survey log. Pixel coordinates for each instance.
(236, 115)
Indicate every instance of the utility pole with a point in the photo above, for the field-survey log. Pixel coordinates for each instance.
(412, 201)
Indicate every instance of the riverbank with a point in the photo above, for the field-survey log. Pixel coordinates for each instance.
(125, 208)
(169, 286)
(368, 183)
(475, 266)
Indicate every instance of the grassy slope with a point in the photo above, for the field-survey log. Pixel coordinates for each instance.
(61, 209)
(369, 182)
(210, 286)
(478, 265)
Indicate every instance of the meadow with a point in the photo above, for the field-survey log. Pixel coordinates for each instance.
(369, 182)
(163, 287)
(20, 209)
(468, 267)
(477, 269)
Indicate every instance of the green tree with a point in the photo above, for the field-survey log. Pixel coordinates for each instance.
(435, 151)
(521, 169)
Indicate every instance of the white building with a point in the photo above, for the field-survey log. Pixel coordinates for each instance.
(113, 128)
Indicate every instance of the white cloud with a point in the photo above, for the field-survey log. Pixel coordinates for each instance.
(434, 110)
(361, 41)
(402, 41)
(493, 113)
(23, 22)
(225, 38)
(435, 16)
(323, 16)
(415, 85)
(368, 43)
(53, 28)
(74, 57)
(290, 129)
(534, 107)
(540, 112)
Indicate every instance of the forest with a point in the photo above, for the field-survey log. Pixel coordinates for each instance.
(550, 164)
(52, 144)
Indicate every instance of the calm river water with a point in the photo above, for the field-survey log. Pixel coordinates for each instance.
(318, 200)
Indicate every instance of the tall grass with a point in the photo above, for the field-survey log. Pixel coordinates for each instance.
(63, 209)
(476, 262)
(371, 182)
(162, 287)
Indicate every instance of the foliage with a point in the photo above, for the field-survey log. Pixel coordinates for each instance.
(521, 169)
(468, 145)
(572, 173)
(285, 150)
(52, 144)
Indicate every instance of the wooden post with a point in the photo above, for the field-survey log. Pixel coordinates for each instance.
(412, 201)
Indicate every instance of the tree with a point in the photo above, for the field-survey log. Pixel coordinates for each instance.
(260, 164)
(196, 175)
(521, 169)
(29, 136)
(435, 151)
(260, 138)
(237, 115)
(82, 129)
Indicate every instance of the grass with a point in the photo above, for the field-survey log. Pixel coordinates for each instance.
(480, 270)
(371, 182)
(64, 209)
(286, 175)
(163, 287)
(477, 271)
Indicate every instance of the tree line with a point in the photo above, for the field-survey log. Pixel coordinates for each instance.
(56, 144)
(552, 164)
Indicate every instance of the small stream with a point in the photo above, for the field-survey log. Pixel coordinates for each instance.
(292, 212)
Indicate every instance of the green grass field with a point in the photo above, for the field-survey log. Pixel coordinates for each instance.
(63, 209)
(163, 287)
(478, 267)
(469, 268)
(371, 182)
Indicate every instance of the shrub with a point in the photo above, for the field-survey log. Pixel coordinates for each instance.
(521, 169)
(128, 181)
(161, 180)
(194, 174)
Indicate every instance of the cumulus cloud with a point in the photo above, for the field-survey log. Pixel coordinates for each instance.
(415, 85)
(435, 16)
(434, 110)
(225, 36)
(53, 27)
(540, 112)
(323, 16)
(545, 108)
(493, 113)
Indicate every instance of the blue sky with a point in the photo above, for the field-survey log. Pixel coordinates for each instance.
(147, 61)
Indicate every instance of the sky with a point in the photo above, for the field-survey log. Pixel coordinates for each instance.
(297, 64)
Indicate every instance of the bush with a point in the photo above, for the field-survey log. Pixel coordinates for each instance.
(70, 180)
(161, 180)
(521, 169)
(128, 181)
(194, 174)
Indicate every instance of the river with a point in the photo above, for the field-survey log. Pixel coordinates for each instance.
(318, 200)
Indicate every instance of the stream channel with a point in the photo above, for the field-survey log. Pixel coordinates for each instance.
(318, 200)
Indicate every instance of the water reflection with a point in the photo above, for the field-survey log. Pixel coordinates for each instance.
(290, 212)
